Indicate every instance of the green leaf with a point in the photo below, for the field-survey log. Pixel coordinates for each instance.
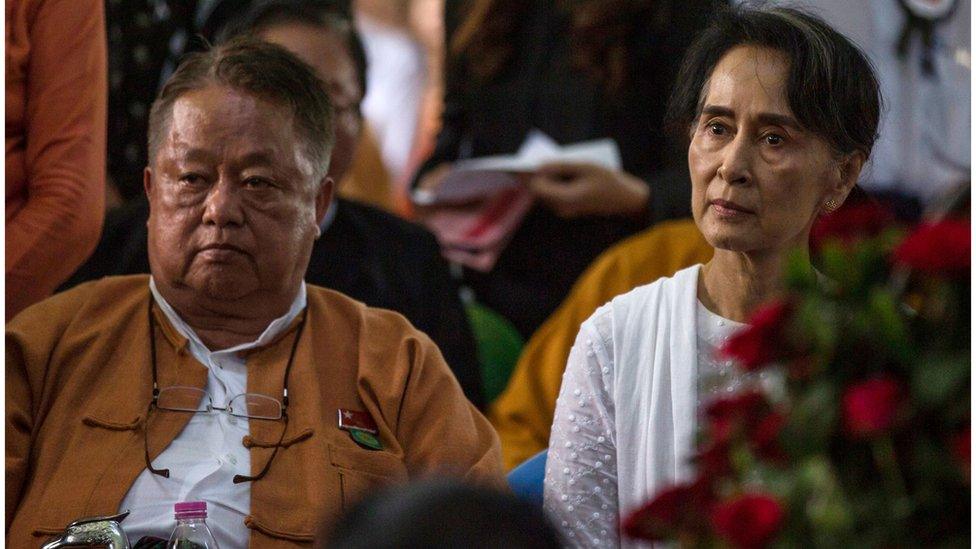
(799, 277)
(816, 318)
(836, 265)
(824, 502)
(812, 420)
(889, 324)
(938, 379)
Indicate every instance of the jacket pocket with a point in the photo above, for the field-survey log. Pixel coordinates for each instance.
(271, 531)
(362, 472)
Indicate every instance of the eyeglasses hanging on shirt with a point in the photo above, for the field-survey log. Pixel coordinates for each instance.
(195, 400)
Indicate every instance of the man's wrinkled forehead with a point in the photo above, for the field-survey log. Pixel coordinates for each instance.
(216, 121)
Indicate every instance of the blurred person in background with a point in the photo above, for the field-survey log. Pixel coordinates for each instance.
(576, 70)
(404, 42)
(438, 514)
(55, 155)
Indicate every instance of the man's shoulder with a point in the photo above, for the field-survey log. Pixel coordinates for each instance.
(82, 314)
(111, 293)
(353, 313)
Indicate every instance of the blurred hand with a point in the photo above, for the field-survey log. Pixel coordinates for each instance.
(432, 180)
(428, 183)
(577, 190)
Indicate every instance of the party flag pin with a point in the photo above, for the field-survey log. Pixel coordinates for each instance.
(361, 427)
(352, 419)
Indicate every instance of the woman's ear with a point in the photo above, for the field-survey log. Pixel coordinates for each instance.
(848, 171)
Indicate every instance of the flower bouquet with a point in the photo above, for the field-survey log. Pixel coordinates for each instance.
(869, 445)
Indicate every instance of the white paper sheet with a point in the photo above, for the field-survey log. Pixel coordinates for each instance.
(478, 177)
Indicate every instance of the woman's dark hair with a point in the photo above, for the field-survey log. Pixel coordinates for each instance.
(333, 15)
(831, 87)
(441, 515)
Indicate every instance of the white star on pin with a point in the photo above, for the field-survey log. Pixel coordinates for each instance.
(347, 414)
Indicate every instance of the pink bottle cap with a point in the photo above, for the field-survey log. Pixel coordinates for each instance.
(190, 509)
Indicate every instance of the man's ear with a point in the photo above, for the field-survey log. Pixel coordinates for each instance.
(147, 185)
(147, 182)
(323, 198)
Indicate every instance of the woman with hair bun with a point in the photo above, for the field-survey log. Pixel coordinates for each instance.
(782, 112)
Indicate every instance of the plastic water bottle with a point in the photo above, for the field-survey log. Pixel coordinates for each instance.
(191, 530)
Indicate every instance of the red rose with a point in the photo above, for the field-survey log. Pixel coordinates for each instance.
(714, 460)
(748, 415)
(764, 437)
(749, 520)
(764, 340)
(962, 451)
(940, 248)
(673, 510)
(850, 224)
(871, 406)
(739, 411)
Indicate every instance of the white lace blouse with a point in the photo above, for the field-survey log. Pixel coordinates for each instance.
(626, 415)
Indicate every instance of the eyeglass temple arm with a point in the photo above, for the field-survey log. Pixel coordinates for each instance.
(155, 394)
(161, 472)
(244, 478)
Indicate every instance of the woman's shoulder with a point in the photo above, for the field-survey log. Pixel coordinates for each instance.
(639, 297)
(640, 303)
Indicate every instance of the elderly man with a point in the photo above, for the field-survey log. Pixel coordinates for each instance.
(365, 253)
(222, 376)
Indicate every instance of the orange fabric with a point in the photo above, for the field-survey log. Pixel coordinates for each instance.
(368, 181)
(523, 413)
(79, 382)
(56, 99)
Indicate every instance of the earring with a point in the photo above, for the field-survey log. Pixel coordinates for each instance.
(830, 205)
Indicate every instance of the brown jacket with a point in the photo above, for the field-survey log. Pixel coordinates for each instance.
(79, 383)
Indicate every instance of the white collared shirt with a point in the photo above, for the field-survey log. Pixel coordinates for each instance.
(206, 455)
